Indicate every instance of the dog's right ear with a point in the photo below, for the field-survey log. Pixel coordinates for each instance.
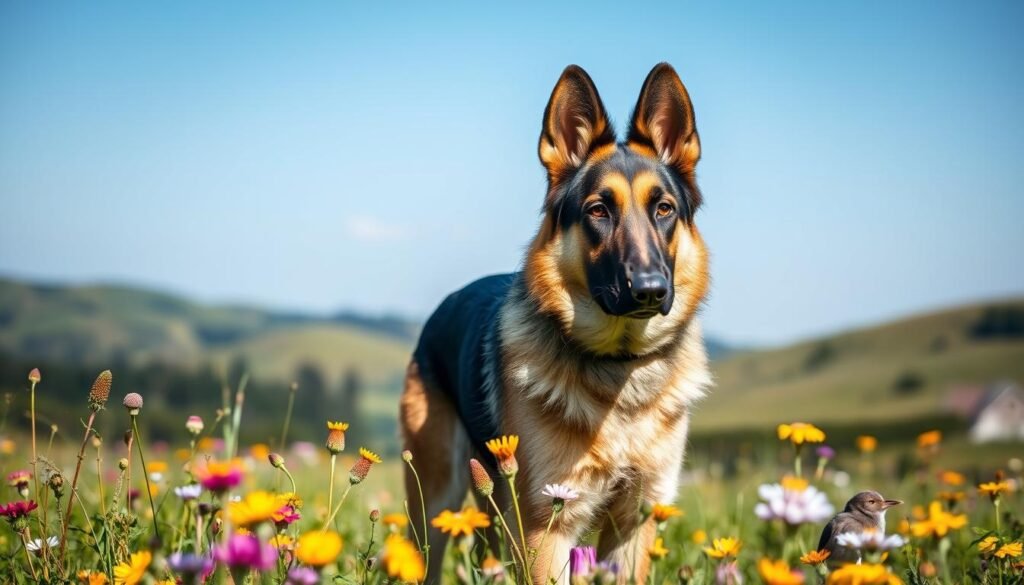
(575, 124)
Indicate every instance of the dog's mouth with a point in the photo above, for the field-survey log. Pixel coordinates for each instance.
(642, 314)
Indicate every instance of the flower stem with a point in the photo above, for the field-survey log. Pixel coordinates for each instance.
(28, 555)
(425, 545)
(287, 420)
(540, 546)
(508, 531)
(519, 516)
(330, 491)
(334, 513)
(149, 490)
(74, 484)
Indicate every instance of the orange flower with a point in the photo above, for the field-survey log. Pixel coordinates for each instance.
(778, 573)
(461, 523)
(1013, 549)
(698, 536)
(318, 548)
(395, 520)
(865, 574)
(663, 512)
(799, 433)
(815, 557)
(504, 450)
(929, 439)
(952, 478)
(867, 443)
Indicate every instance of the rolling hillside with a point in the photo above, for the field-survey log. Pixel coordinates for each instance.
(895, 371)
(100, 325)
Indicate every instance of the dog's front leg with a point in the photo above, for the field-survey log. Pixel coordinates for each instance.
(551, 563)
(625, 540)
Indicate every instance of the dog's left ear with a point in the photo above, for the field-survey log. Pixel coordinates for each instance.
(575, 123)
(663, 120)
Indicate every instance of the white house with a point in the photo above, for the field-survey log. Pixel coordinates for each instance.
(1000, 416)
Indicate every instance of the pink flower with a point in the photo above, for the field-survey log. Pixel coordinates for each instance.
(243, 551)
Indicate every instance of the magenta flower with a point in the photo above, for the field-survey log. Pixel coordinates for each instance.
(302, 576)
(825, 452)
(243, 551)
(285, 515)
(582, 560)
(19, 509)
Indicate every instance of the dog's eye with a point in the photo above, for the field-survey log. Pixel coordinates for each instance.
(665, 209)
(597, 210)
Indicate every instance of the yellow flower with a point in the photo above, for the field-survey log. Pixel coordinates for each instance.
(662, 512)
(929, 439)
(256, 507)
(131, 571)
(259, 451)
(799, 433)
(952, 478)
(699, 536)
(867, 443)
(994, 489)
(281, 541)
(865, 574)
(658, 551)
(336, 437)
(88, 577)
(988, 544)
(402, 560)
(157, 467)
(951, 497)
(723, 547)
(362, 466)
(778, 573)
(464, 522)
(794, 484)
(938, 523)
(1014, 549)
(395, 520)
(504, 450)
(318, 548)
(815, 557)
(289, 499)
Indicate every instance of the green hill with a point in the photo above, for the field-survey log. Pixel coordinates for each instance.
(100, 325)
(896, 371)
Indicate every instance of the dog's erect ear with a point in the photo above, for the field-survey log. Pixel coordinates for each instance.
(663, 120)
(575, 123)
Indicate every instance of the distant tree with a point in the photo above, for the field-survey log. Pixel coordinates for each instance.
(998, 322)
(819, 356)
(349, 401)
(908, 383)
(311, 399)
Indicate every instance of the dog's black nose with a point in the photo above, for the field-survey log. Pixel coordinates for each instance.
(649, 288)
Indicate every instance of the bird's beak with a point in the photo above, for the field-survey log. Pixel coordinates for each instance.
(891, 503)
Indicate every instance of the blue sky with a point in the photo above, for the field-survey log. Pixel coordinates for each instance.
(861, 160)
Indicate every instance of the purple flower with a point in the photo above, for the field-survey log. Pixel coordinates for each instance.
(582, 560)
(302, 576)
(825, 452)
(243, 551)
(190, 565)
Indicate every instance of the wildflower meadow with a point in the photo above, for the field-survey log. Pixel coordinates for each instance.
(208, 508)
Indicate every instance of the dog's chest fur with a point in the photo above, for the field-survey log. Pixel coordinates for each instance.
(599, 425)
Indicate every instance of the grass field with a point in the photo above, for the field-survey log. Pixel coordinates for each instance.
(244, 526)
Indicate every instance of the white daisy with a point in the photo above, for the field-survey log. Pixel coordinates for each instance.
(557, 491)
(188, 492)
(870, 540)
(36, 545)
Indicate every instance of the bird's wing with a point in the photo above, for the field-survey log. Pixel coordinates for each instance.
(827, 534)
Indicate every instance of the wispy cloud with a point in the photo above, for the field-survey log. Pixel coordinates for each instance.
(366, 228)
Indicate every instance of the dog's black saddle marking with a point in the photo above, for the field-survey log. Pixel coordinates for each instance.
(459, 354)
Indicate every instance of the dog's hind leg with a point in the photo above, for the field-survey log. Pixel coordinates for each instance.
(433, 433)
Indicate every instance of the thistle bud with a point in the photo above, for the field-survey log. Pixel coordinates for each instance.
(276, 460)
(122, 463)
(56, 484)
(100, 391)
(482, 481)
(362, 466)
(34, 376)
(133, 402)
(194, 425)
(374, 515)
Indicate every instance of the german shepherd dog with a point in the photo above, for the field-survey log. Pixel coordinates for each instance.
(592, 354)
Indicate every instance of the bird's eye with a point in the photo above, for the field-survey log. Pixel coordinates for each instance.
(598, 211)
(665, 209)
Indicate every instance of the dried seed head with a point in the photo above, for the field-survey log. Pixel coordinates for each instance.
(407, 456)
(374, 515)
(122, 463)
(34, 376)
(133, 402)
(100, 391)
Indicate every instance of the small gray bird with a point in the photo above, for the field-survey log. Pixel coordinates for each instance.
(864, 511)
